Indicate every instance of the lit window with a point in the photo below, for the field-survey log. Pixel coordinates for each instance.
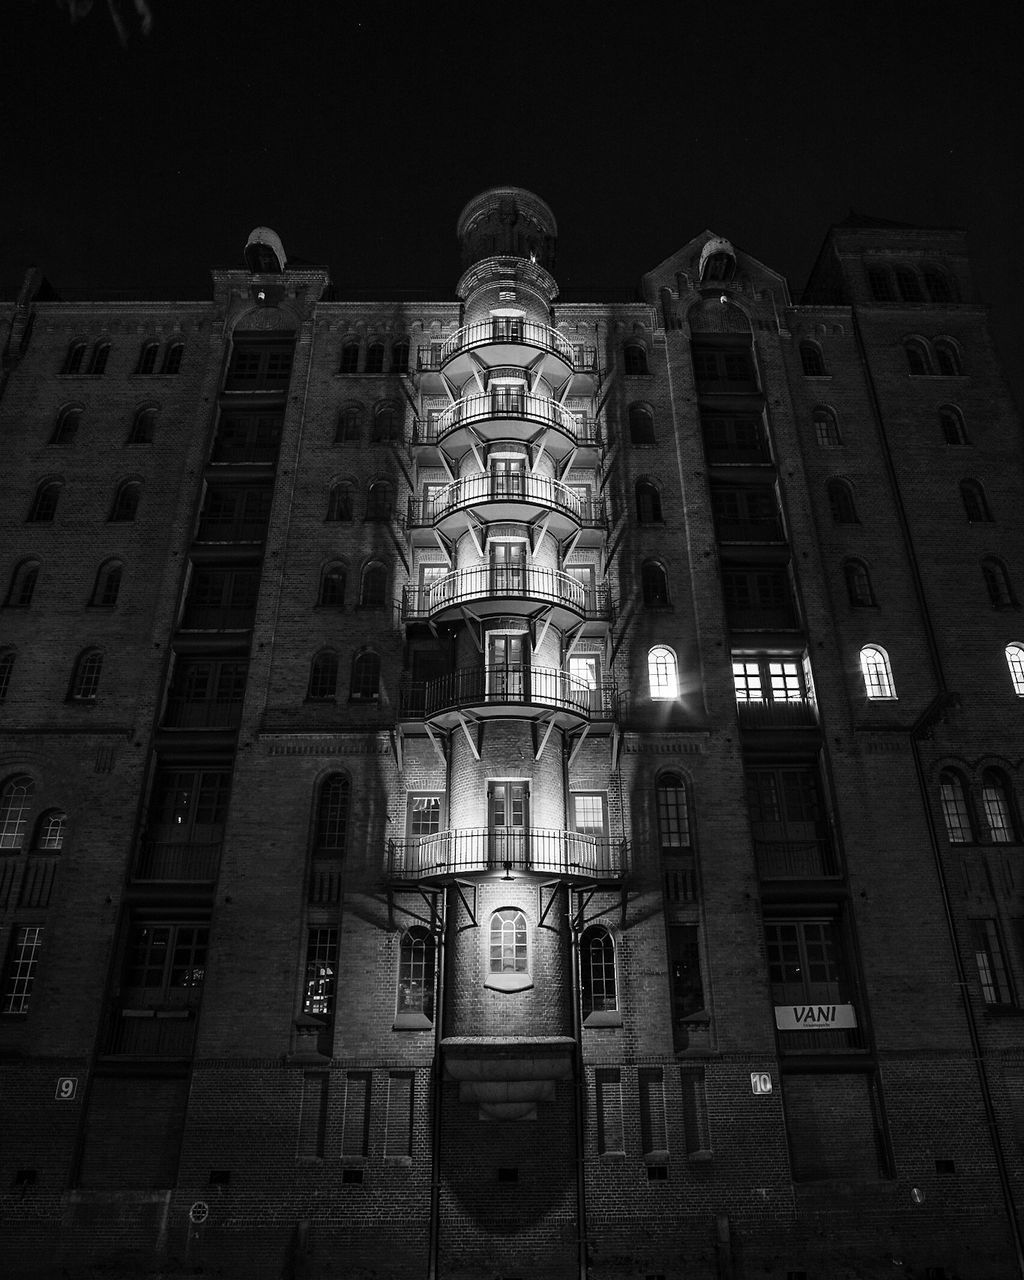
(1015, 661)
(673, 813)
(68, 422)
(811, 360)
(858, 584)
(641, 425)
(597, 953)
(126, 502)
(634, 358)
(874, 665)
(323, 676)
(23, 584)
(15, 797)
(7, 657)
(988, 955)
(955, 811)
(973, 497)
(995, 797)
(332, 587)
(648, 503)
(44, 504)
(85, 682)
(424, 817)
(108, 585)
(508, 946)
(653, 584)
(142, 427)
(768, 679)
(20, 970)
(332, 815)
(590, 813)
(826, 429)
(147, 357)
(321, 972)
(997, 584)
(662, 673)
(417, 961)
(365, 686)
(841, 503)
(339, 501)
(50, 831)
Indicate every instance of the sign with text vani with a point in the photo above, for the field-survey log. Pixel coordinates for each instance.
(814, 1017)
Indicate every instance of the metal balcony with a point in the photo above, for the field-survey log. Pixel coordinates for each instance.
(501, 340)
(182, 713)
(766, 530)
(177, 861)
(512, 689)
(152, 1033)
(512, 416)
(789, 854)
(508, 496)
(198, 617)
(796, 713)
(473, 849)
(216, 529)
(501, 589)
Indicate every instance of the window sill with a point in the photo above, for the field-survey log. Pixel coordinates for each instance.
(603, 1018)
(508, 981)
(412, 1022)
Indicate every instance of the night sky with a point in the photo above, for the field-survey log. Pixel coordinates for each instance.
(358, 131)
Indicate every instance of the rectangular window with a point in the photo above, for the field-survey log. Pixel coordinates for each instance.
(590, 813)
(321, 972)
(610, 1139)
(991, 962)
(313, 1116)
(686, 985)
(20, 972)
(263, 366)
(424, 815)
(355, 1132)
(398, 1134)
(805, 962)
(695, 1110)
(653, 1128)
(768, 679)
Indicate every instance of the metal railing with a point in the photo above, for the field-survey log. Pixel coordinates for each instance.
(152, 1033)
(507, 487)
(215, 529)
(196, 863)
(505, 331)
(526, 582)
(779, 858)
(201, 617)
(766, 714)
(767, 530)
(535, 686)
(537, 410)
(552, 851)
(232, 453)
(182, 713)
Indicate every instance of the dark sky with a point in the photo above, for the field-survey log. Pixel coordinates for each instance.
(358, 131)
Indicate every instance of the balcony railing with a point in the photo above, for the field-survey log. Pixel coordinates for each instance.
(178, 861)
(152, 1033)
(793, 858)
(485, 487)
(553, 852)
(244, 453)
(201, 617)
(181, 713)
(516, 683)
(481, 582)
(507, 331)
(535, 410)
(770, 618)
(736, 454)
(215, 529)
(766, 714)
(767, 530)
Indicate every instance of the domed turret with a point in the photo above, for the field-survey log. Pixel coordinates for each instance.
(264, 252)
(507, 222)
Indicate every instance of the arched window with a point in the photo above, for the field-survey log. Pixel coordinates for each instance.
(23, 584)
(332, 586)
(811, 360)
(648, 502)
(973, 497)
(508, 942)
(15, 798)
(379, 501)
(332, 815)
(955, 810)
(841, 503)
(908, 284)
(385, 422)
(107, 585)
(349, 358)
(673, 813)
(374, 358)
(952, 424)
(126, 502)
(172, 358)
(7, 658)
(323, 676)
(641, 425)
(858, 584)
(73, 359)
(947, 358)
(662, 673)
(1015, 661)
(100, 356)
(937, 284)
(997, 583)
(44, 504)
(50, 830)
(634, 358)
(400, 356)
(350, 424)
(597, 966)
(417, 959)
(365, 686)
(339, 501)
(995, 796)
(66, 428)
(919, 356)
(826, 428)
(373, 586)
(147, 357)
(653, 584)
(143, 426)
(85, 680)
(874, 665)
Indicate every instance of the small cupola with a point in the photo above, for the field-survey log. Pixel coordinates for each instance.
(717, 261)
(264, 252)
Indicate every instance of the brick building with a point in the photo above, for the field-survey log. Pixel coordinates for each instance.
(505, 786)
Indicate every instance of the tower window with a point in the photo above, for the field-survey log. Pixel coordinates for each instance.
(908, 285)
(172, 358)
(20, 969)
(44, 504)
(811, 360)
(648, 502)
(919, 357)
(349, 358)
(373, 586)
(332, 587)
(947, 359)
(874, 665)
(1015, 661)
(673, 813)
(350, 424)
(508, 942)
(955, 809)
(991, 962)
(332, 815)
(66, 429)
(634, 358)
(374, 358)
(858, 584)
(416, 965)
(379, 501)
(323, 676)
(995, 795)
(85, 681)
(50, 831)
(142, 427)
(107, 585)
(15, 798)
(641, 425)
(99, 358)
(952, 425)
(339, 501)
(73, 359)
(23, 584)
(841, 503)
(997, 583)
(147, 357)
(7, 660)
(321, 972)
(826, 429)
(126, 502)
(365, 686)
(400, 357)
(973, 497)
(662, 673)
(597, 954)
(653, 584)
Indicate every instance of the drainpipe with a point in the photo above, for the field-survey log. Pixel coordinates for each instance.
(579, 1084)
(433, 1243)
